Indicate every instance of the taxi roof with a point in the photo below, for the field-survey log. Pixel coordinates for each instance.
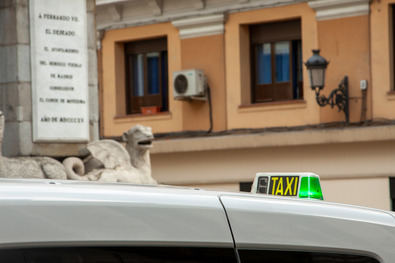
(48, 189)
(59, 212)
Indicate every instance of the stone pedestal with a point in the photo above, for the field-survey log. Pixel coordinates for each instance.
(21, 81)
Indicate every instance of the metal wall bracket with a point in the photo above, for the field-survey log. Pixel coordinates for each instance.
(338, 97)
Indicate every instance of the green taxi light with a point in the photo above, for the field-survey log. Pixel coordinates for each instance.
(310, 188)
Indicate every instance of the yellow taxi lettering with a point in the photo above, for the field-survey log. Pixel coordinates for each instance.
(288, 188)
(296, 185)
(274, 179)
(280, 189)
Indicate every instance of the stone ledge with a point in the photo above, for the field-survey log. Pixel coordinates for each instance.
(332, 9)
(129, 20)
(200, 26)
(276, 139)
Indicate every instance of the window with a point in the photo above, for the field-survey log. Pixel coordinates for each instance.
(118, 255)
(146, 75)
(276, 58)
(256, 256)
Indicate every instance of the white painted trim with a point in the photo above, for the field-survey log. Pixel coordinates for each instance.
(200, 4)
(109, 2)
(200, 26)
(332, 9)
(166, 17)
(115, 12)
(156, 6)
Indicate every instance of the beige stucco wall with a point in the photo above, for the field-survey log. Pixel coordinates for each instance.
(205, 53)
(371, 192)
(345, 43)
(337, 163)
(382, 66)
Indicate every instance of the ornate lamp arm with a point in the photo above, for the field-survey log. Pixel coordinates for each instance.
(338, 97)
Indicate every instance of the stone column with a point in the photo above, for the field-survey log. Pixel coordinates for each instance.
(16, 82)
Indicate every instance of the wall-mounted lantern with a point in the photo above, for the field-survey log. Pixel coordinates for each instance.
(316, 66)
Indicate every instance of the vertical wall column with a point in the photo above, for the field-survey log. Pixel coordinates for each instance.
(93, 78)
(343, 38)
(15, 80)
(203, 47)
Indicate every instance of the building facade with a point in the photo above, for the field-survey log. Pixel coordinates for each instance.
(263, 115)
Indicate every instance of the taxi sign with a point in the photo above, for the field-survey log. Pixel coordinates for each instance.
(301, 185)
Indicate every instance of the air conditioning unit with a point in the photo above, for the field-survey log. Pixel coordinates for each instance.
(189, 84)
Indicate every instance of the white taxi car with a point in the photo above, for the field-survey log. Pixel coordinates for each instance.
(46, 221)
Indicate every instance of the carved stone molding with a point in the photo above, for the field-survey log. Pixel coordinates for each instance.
(200, 26)
(332, 9)
(109, 2)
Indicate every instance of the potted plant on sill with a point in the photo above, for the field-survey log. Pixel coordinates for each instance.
(147, 110)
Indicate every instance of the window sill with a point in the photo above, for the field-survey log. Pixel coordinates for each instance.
(143, 117)
(391, 95)
(275, 105)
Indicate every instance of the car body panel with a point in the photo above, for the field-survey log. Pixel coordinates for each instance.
(58, 213)
(310, 225)
(48, 213)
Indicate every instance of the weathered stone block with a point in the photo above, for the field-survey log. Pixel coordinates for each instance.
(90, 5)
(11, 140)
(16, 101)
(8, 34)
(90, 21)
(57, 149)
(9, 3)
(92, 67)
(93, 112)
(22, 22)
(23, 2)
(93, 102)
(9, 94)
(94, 130)
(8, 65)
(23, 57)
(15, 64)
(25, 138)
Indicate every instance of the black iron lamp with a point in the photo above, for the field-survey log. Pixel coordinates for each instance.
(316, 66)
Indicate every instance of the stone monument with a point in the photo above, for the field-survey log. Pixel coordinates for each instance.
(48, 76)
(49, 96)
(29, 167)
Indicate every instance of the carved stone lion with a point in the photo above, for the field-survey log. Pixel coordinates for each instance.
(109, 161)
(138, 142)
(28, 167)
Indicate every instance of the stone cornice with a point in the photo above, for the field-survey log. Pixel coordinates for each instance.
(332, 9)
(168, 10)
(277, 139)
(109, 2)
(200, 26)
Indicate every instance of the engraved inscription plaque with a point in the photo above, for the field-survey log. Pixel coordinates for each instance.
(59, 70)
